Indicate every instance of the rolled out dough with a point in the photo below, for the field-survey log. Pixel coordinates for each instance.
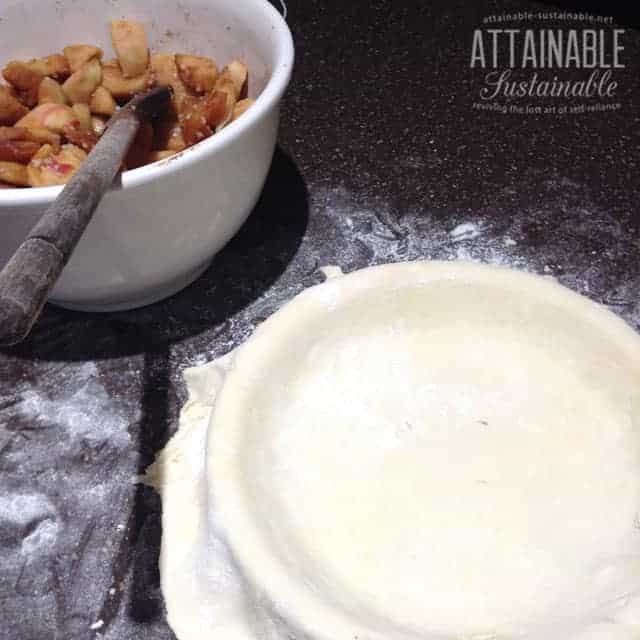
(443, 452)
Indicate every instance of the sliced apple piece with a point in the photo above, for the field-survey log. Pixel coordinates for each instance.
(240, 107)
(161, 154)
(164, 71)
(81, 84)
(50, 92)
(83, 114)
(176, 140)
(54, 66)
(168, 134)
(102, 102)
(197, 72)
(48, 116)
(231, 82)
(130, 44)
(193, 121)
(55, 168)
(18, 150)
(238, 73)
(98, 125)
(118, 86)
(24, 79)
(11, 109)
(81, 137)
(14, 173)
(34, 134)
(78, 55)
(45, 151)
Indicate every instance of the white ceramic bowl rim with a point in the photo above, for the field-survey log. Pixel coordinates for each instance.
(268, 98)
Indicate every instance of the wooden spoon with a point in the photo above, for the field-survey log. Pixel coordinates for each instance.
(29, 276)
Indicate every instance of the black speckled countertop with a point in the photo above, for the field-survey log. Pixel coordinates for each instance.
(382, 157)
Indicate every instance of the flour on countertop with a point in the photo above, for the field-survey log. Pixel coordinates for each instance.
(70, 434)
(579, 242)
(32, 517)
(81, 407)
(372, 233)
(465, 231)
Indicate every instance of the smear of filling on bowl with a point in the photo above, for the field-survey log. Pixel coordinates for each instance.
(54, 109)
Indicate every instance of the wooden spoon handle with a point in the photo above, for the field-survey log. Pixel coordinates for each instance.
(64, 222)
(30, 274)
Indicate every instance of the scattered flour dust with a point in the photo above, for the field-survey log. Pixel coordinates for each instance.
(64, 418)
(81, 406)
(20, 510)
(465, 231)
(367, 231)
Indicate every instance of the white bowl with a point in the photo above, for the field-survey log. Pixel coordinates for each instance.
(452, 452)
(159, 227)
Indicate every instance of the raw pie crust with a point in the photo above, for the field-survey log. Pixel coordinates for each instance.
(443, 451)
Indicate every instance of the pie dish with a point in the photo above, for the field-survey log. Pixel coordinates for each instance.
(435, 450)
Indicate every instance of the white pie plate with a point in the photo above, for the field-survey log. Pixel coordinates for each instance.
(343, 438)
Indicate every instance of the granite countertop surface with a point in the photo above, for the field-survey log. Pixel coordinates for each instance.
(382, 157)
